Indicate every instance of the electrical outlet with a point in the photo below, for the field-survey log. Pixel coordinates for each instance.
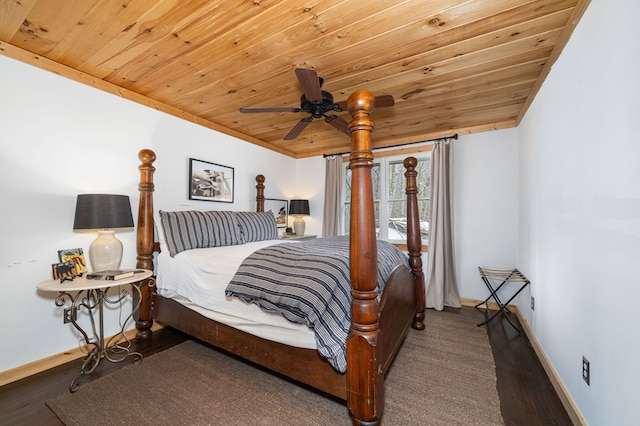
(68, 315)
(533, 303)
(586, 371)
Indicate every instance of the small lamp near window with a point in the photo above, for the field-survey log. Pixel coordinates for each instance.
(105, 213)
(298, 208)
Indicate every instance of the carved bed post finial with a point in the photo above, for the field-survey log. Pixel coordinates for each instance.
(365, 390)
(145, 243)
(414, 240)
(260, 193)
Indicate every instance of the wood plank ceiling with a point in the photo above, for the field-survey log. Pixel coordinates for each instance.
(452, 66)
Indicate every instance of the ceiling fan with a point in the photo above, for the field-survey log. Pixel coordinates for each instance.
(318, 103)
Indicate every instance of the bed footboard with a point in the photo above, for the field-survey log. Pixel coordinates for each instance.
(414, 240)
(397, 312)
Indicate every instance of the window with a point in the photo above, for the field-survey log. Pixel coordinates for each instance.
(390, 198)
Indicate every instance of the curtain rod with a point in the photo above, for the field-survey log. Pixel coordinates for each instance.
(455, 136)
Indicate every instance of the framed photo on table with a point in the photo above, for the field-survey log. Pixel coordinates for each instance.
(64, 271)
(210, 181)
(280, 209)
(75, 255)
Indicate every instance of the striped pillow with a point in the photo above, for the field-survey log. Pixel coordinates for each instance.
(256, 226)
(192, 229)
(224, 228)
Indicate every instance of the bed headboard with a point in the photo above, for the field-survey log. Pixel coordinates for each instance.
(146, 245)
(260, 193)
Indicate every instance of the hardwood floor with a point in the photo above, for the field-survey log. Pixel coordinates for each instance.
(526, 394)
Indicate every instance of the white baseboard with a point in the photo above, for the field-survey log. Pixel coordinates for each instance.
(563, 394)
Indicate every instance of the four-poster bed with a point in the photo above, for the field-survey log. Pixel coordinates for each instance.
(378, 323)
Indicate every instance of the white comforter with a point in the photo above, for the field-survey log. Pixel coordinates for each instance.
(198, 278)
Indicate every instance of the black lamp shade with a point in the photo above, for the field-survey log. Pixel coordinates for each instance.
(300, 207)
(102, 211)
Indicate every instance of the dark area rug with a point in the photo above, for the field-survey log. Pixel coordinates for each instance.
(444, 375)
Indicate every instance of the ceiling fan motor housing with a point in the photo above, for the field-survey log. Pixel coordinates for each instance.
(317, 108)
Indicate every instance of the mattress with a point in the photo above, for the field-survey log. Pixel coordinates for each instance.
(198, 278)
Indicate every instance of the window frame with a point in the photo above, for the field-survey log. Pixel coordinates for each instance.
(384, 163)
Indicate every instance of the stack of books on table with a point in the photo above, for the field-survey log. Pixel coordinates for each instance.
(112, 275)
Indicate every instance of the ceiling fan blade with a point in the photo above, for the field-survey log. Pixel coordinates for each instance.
(385, 101)
(310, 84)
(381, 102)
(339, 106)
(298, 128)
(337, 122)
(274, 109)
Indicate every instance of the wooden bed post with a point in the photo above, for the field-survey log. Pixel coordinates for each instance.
(145, 244)
(414, 240)
(260, 193)
(365, 380)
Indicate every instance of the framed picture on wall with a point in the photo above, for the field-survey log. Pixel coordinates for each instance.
(210, 181)
(280, 209)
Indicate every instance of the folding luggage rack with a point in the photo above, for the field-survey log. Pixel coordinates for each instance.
(491, 277)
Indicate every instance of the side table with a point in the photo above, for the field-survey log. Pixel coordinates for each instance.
(92, 296)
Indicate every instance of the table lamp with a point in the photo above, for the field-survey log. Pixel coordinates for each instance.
(298, 208)
(103, 212)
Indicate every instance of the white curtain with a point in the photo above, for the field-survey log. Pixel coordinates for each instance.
(332, 219)
(442, 288)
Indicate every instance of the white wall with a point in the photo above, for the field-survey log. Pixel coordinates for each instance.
(59, 138)
(310, 175)
(485, 208)
(580, 212)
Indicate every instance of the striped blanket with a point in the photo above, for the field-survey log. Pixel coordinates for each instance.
(308, 282)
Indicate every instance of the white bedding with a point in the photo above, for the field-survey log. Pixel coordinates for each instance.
(197, 278)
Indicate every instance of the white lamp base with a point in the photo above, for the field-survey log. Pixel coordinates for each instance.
(105, 252)
(299, 225)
